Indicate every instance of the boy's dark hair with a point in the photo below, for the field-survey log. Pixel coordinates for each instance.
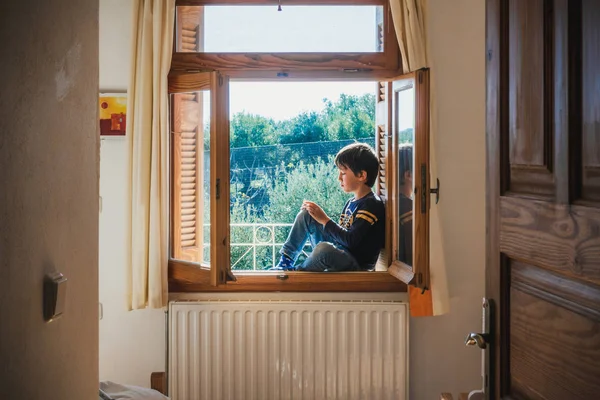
(405, 160)
(359, 157)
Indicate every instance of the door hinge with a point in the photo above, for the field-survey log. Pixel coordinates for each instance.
(220, 80)
(218, 189)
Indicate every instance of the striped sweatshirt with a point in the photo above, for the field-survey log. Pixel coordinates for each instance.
(361, 229)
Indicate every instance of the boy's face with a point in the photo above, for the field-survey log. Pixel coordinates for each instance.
(351, 183)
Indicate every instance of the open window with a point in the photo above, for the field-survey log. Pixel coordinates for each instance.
(409, 199)
(205, 181)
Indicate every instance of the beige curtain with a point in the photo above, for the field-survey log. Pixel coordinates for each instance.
(410, 18)
(409, 21)
(147, 132)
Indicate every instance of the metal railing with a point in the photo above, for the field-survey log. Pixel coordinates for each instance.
(270, 236)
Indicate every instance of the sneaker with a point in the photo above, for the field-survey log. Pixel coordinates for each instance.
(285, 264)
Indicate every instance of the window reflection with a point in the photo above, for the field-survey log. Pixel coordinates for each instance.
(405, 202)
(404, 123)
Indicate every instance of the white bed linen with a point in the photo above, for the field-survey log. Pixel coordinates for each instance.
(128, 392)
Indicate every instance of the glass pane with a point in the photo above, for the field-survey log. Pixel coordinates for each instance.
(283, 140)
(204, 162)
(263, 29)
(190, 183)
(405, 124)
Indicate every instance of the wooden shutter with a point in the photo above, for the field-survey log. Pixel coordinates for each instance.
(190, 29)
(187, 144)
(382, 146)
(189, 163)
(187, 176)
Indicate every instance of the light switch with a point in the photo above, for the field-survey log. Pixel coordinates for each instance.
(55, 293)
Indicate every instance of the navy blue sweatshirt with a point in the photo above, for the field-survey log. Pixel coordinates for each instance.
(361, 230)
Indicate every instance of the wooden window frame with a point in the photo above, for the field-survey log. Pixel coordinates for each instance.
(186, 76)
(417, 274)
(324, 65)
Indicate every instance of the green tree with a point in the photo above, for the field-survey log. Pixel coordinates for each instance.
(350, 117)
(406, 136)
(304, 128)
(251, 130)
(316, 182)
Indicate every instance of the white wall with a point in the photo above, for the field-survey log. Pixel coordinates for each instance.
(439, 359)
(132, 343)
(48, 197)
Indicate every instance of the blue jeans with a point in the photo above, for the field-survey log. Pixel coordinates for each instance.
(326, 257)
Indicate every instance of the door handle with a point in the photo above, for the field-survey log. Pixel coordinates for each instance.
(484, 341)
(477, 339)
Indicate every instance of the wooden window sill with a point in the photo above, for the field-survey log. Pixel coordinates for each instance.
(189, 278)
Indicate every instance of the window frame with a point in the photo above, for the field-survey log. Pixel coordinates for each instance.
(189, 277)
(324, 65)
(417, 274)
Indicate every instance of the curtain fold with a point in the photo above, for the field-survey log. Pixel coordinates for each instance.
(147, 134)
(410, 18)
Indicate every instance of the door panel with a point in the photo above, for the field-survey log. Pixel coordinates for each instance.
(543, 204)
(526, 60)
(559, 237)
(529, 124)
(553, 333)
(591, 100)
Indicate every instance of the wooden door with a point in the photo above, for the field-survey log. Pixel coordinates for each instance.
(543, 198)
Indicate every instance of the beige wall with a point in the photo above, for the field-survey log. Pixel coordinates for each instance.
(49, 197)
(439, 360)
(132, 343)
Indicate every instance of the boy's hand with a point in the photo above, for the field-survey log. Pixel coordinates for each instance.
(315, 211)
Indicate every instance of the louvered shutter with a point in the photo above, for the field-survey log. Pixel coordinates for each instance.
(190, 21)
(187, 182)
(187, 147)
(382, 146)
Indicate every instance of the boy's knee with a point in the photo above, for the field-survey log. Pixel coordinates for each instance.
(304, 215)
(323, 248)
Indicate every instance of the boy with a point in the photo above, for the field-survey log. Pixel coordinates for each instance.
(354, 243)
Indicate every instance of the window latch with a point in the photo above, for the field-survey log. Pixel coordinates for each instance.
(436, 191)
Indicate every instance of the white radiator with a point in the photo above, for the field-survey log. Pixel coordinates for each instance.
(288, 350)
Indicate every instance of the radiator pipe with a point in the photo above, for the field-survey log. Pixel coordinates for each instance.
(167, 351)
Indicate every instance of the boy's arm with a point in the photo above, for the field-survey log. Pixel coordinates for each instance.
(316, 212)
(350, 238)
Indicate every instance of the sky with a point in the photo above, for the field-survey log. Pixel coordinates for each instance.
(299, 29)
(294, 29)
(284, 100)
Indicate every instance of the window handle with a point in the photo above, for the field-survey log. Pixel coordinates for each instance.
(436, 191)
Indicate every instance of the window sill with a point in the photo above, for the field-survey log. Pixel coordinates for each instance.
(185, 278)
